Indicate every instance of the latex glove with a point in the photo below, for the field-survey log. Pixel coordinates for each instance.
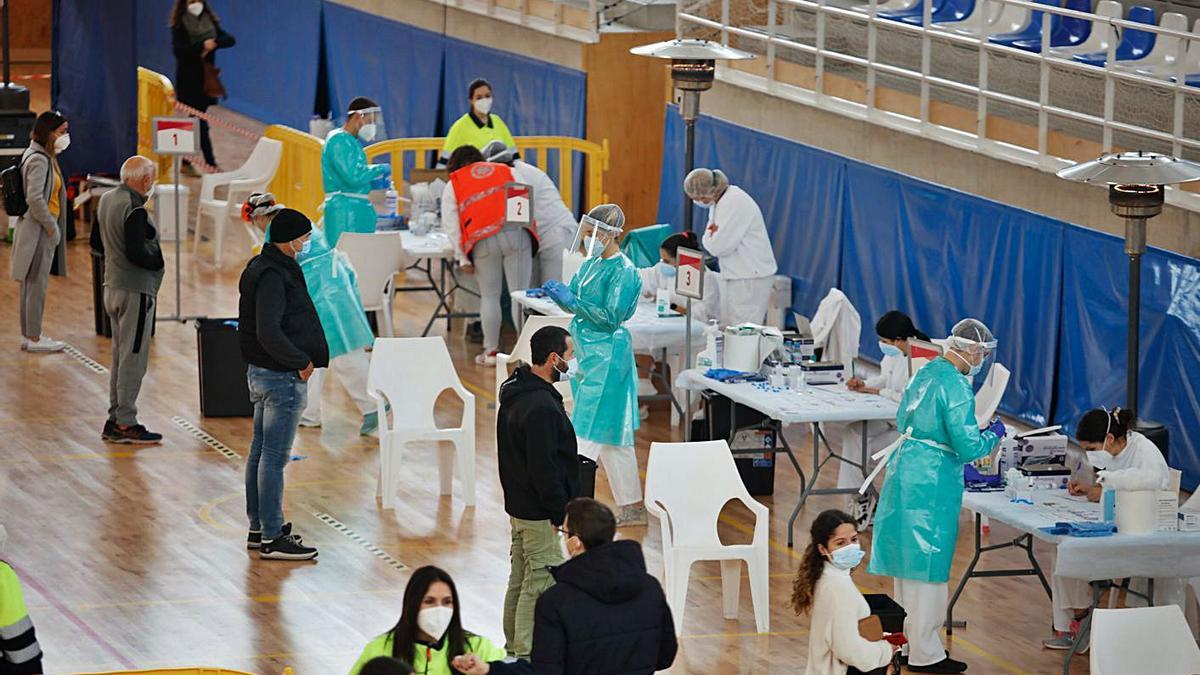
(559, 292)
(382, 182)
(997, 427)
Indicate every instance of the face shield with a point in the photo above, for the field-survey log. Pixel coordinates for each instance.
(593, 236)
(372, 129)
(974, 345)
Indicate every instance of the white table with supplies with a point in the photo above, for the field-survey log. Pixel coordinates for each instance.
(1097, 560)
(808, 405)
(663, 337)
(425, 250)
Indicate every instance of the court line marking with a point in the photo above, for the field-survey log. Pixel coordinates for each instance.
(997, 661)
(88, 362)
(374, 550)
(74, 618)
(208, 438)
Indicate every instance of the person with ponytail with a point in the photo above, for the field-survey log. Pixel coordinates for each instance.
(824, 590)
(662, 276)
(1112, 446)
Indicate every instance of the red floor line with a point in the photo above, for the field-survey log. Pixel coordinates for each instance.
(74, 618)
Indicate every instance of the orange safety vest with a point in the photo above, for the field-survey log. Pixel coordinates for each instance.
(483, 202)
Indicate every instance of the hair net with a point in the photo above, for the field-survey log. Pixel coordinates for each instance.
(705, 183)
(609, 214)
(600, 226)
(971, 336)
(497, 151)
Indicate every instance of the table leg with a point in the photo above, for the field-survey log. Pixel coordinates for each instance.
(966, 576)
(811, 483)
(1085, 627)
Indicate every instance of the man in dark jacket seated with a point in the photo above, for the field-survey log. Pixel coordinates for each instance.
(604, 614)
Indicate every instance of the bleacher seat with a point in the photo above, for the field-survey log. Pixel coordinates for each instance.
(1160, 62)
(1100, 34)
(949, 10)
(917, 9)
(1001, 18)
(1065, 31)
(1134, 43)
(1032, 30)
(1191, 64)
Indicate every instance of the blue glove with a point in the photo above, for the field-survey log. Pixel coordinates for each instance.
(381, 183)
(997, 427)
(559, 293)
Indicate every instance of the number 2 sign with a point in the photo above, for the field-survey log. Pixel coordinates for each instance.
(689, 274)
(175, 135)
(518, 198)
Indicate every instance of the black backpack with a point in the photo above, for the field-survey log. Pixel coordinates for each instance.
(12, 182)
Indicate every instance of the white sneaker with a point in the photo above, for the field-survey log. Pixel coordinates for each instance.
(44, 345)
(644, 412)
(309, 423)
(486, 359)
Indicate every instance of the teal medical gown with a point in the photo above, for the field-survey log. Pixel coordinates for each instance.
(916, 522)
(333, 287)
(347, 178)
(605, 390)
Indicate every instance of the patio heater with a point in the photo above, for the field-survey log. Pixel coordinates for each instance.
(1136, 186)
(693, 67)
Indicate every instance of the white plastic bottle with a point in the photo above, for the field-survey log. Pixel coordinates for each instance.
(711, 356)
(391, 203)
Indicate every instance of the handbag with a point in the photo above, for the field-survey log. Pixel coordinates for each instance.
(212, 81)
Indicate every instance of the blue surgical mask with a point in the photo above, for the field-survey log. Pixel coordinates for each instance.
(305, 249)
(974, 370)
(847, 557)
(707, 206)
(666, 270)
(889, 350)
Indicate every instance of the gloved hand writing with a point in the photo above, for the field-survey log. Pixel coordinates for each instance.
(997, 427)
(559, 292)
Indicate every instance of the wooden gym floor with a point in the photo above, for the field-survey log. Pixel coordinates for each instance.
(135, 557)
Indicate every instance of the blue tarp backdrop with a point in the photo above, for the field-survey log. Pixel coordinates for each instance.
(1054, 293)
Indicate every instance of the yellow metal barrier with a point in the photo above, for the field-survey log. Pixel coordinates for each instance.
(297, 182)
(156, 98)
(537, 150)
(181, 671)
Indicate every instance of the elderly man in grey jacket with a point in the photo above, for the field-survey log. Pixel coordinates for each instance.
(133, 272)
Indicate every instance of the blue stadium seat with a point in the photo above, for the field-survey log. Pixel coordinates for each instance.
(950, 10)
(1065, 31)
(1134, 43)
(1030, 31)
(916, 10)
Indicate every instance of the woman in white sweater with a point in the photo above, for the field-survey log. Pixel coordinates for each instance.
(823, 588)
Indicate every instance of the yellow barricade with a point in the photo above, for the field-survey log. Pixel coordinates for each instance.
(156, 98)
(541, 151)
(297, 182)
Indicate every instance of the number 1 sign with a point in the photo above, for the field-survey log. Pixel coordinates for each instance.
(175, 135)
(689, 274)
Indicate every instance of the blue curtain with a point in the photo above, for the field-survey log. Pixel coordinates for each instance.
(154, 37)
(94, 82)
(1091, 365)
(395, 64)
(271, 73)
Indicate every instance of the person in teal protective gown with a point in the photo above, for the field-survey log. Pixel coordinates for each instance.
(346, 175)
(916, 521)
(603, 295)
(333, 287)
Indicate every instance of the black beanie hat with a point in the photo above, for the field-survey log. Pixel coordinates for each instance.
(894, 326)
(289, 224)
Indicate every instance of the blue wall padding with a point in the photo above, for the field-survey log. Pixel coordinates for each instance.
(94, 82)
(1054, 293)
(395, 64)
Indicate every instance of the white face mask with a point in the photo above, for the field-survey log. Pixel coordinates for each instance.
(1099, 459)
(483, 105)
(562, 544)
(433, 621)
(195, 8)
(150, 192)
(62, 143)
(368, 131)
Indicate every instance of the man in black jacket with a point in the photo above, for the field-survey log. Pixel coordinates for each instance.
(281, 339)
(539, 473)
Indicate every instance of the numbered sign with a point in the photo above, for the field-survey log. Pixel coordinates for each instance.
(176, 135)
(689, 274)
(519, 203)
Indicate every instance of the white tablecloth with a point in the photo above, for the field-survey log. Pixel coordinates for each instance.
(434, 245)
(831, 403)
(650, 332)
(1158, 554)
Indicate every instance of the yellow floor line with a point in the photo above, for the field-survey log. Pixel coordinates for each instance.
(708, 636)
(989, 657)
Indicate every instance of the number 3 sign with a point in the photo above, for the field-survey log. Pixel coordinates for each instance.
(175, 135)
(689, 274)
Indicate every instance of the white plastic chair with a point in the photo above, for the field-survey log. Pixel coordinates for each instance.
(1102, 32)
(1143, 640)
(253, 176)
(987, 399)
(521, 351)
(1160, 62)
(410, 374)
(376, 257)
(688, 517)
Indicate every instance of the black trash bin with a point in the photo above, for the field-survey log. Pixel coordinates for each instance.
(756, 470)
(223, 388)
(587, 478)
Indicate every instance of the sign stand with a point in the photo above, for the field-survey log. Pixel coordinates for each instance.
(176, 137)
(689, 282)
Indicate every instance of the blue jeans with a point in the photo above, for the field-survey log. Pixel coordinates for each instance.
(279, 398)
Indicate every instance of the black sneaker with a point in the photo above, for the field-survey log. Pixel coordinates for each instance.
(475, 332)
(946, 665)
(254, 539)
(135, 435)
(110, 431)
(286, 548)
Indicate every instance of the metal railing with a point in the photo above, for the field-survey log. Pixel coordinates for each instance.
(867, 100)
(574, 20)
(544, 152)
